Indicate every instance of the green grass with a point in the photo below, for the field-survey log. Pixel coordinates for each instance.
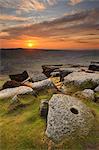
(24, 129)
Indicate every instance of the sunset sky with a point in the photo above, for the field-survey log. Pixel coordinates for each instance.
(52, 24)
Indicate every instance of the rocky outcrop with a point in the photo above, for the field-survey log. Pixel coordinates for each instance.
(40, 85)
(96, 89)
(61, 70)
(38, 76)
(11, 84)
(82, 79)
(94, 66)
(68, 117)
(86, 94)
(20, 77)
(13, 92)
(48, 69)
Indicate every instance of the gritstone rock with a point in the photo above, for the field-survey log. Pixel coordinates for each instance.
(82, 79)
(68, 117)
(85, 94)
(96, 89)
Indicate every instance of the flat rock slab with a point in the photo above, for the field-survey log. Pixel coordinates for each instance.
(12, 92)
(68, 117)
(41, 85)
(79, 78)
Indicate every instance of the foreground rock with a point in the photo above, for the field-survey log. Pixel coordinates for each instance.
(94, 66)
(40, 85)
(61, 70)
(11, 84)
(14, 92)
(20, 77)
(82, 79)
(48, 69)
(68, 117)
(86, 94)
(96, 89)
(38, 76)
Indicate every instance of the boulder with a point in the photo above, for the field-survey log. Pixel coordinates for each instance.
(38, 76)
(68, 117)
(82, 79)
(47, 69)
(11, 84)
(88, 93)
(65, 71)
(96, 89)
(85, 94)
(94, 66)
(20, 77)
(44, 109)
(13, 92)
(41, 85)
(61, 70)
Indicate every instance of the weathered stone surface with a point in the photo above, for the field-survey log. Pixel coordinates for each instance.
(55, 74)
(11, 84)
(48, 69)
(60, 70)
(40, 85)
(85, 94)
(88, 93)
(38, 76)
(44, 109)
(12, 92)
(68, 117)
(86, 80)
(96, 89)
(19, 77)
(94, 66)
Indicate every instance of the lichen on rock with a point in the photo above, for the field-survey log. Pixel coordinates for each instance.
(82, 79)
(68, 117)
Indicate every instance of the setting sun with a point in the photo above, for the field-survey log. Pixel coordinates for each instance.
(30, 44)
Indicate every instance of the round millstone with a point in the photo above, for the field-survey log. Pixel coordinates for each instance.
(68, 117)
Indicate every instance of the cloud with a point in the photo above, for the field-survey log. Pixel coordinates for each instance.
(74, 2)
(24, 5)
(52, 2)
(12, 18)
(84, 22)
(28, 5)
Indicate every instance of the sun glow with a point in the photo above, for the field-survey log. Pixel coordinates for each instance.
(31, 43)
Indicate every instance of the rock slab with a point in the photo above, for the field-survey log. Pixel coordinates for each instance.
(68, 117)
(86, 80)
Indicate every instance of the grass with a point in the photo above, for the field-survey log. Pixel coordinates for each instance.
(24, 129)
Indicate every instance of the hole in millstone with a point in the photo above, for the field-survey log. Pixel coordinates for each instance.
(74, 110)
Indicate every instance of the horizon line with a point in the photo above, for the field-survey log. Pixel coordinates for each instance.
(48, 49)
